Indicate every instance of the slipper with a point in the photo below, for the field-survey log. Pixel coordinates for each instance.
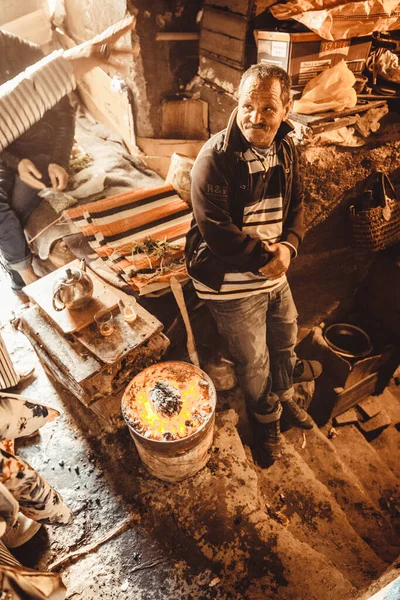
(306, 370)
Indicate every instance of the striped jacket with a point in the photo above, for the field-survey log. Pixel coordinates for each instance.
(221, 187)
(26, 100)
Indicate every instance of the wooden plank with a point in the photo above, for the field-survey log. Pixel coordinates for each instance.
(71, 359)
(221, 21)
(34, 27)
(355, 394)
(187, 119)
(69, 321)
(331, 125)
(113, 109)
(125, 338)
(220, 74)
(367, 366)
(166, 147)
(223, 46)
(242, 7)
(109, 407)
(177, 36)
(322, 117)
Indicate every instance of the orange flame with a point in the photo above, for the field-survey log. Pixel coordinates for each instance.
(194, 411)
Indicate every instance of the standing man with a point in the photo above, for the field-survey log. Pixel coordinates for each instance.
(37, 159)
(248, 224)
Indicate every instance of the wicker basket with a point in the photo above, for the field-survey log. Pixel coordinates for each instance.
(378, 227)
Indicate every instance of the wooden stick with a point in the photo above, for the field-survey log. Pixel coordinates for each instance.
(346, 113)
(330, 125)
(45, 229)
(180, 300)
(94, 546)
(177, 36)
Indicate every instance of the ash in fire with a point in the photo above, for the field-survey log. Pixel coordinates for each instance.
(168, 410)
(166, 399)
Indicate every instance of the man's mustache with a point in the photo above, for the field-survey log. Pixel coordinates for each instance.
(255, 126)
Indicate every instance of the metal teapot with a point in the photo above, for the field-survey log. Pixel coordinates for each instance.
(73, 290)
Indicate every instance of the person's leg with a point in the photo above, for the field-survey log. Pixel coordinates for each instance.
(24, 200)
(13, 246)
(281, 340)
(242, 323)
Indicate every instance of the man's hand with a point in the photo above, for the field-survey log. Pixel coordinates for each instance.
(58, 176)
(29, 174)
(279, 263)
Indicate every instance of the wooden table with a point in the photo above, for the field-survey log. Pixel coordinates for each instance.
(95, 368)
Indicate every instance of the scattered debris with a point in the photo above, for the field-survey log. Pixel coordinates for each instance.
(332, 433)
(303, 445)
(73, 556)
(214, 582)
(124, 587)
(370, 122)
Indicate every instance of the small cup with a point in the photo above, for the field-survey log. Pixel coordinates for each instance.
(128, 309)
(105, 322)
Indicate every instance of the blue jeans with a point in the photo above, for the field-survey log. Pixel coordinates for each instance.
(261, 333)
(17, 202)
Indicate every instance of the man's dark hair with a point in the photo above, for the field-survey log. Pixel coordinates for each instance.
(267, 71)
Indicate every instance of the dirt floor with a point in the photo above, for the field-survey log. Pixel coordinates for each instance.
(233, 531)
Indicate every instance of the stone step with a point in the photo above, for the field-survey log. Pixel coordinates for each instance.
(387, 443)
(362, 513)
(375, 476)
(223, 513)
(312, 515)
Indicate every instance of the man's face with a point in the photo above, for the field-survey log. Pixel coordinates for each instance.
(261, 111)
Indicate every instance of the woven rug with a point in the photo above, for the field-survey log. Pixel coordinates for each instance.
(131, 232)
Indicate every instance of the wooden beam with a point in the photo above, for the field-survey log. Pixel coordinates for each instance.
(34, 27)
(177, 36)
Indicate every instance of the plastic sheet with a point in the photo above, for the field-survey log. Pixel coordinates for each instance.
(330, 90)
(334, 20)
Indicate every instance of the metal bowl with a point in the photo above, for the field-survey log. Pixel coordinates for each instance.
(348, 340)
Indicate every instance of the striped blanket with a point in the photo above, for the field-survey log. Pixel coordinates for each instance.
(116, 226)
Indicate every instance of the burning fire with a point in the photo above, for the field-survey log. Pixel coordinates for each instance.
(195, 408)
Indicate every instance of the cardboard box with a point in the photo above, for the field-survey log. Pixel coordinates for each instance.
(305, 55)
